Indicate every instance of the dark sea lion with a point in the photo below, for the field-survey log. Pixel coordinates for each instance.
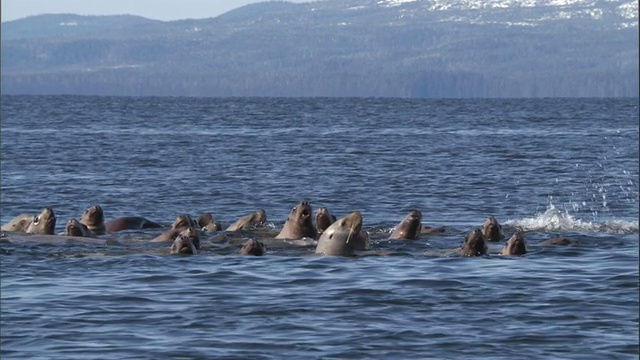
(341, 237)
(324, 219)
(515, 245)
(208, 223)
(559, 241)
(44, 223)
(474, 244)
(18, 223)
(361, 241)
(492, 230)
(76, 228)
(187, 242)
(409, 228)
(253, 247)
(131, 223)
(93, 218)
(258, 217)
(299, 223)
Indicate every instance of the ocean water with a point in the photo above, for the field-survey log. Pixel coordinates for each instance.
(548, 167)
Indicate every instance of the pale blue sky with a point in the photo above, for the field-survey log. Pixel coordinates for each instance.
(153, 9)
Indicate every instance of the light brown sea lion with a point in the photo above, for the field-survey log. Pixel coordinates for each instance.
(93, 218)
(299, 223)
(131, 223)
(169, 235)
(187, 242)
(474, 244)
(253, 247)
(341, 237)
(18, 223)
(559, 241)
(181, 223)
(45, 223)
(324, 218)
(492, 230)
(207, 222)
(515, 245)
(76, 228)
(184, 221)
(409, 228)
(258, 217)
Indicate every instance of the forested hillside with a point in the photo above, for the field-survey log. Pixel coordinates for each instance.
(334, 48)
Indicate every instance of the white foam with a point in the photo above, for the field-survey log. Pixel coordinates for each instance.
(554, 219)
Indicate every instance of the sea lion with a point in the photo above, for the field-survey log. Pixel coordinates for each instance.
(93, 218)
(409, 228)
(44, 223)
(258, 217)
(559, 241)
(18, 223)
(492, 230)
(324, 218)
(474, 244)
(515, 245)
(361, 241)
(184, 221)
(181, 223)
(187, 242)
(131, 223)
(299, 223)
(253, 247)
(207, 223)
(341, 237)
(76, 228)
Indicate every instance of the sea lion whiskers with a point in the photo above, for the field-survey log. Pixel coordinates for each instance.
(352, 231)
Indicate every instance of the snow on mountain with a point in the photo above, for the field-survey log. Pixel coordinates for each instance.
(625, 11)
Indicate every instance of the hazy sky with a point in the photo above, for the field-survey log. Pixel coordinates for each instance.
(153, 9)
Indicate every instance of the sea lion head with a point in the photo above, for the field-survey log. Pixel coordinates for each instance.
(187, 242)
(260, 217)
(324, 218)
(44, 223)
(75, 228)
(515, 245)
(410, 227)
(300, 213)
(492, 230)
(93, 216)
(299, 223)
(19, 223)
(183, 221)
(253, 247)
(474, 244)
(342, 237)
(204, 220)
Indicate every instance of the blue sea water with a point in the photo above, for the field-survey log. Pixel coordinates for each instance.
(549, 167)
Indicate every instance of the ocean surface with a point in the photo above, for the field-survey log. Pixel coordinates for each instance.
(548, 167)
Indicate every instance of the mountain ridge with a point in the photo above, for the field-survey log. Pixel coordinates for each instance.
(574, 48)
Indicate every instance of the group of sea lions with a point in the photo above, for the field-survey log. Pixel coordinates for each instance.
(335, 236)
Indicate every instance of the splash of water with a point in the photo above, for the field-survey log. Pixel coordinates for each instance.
(554, 219)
